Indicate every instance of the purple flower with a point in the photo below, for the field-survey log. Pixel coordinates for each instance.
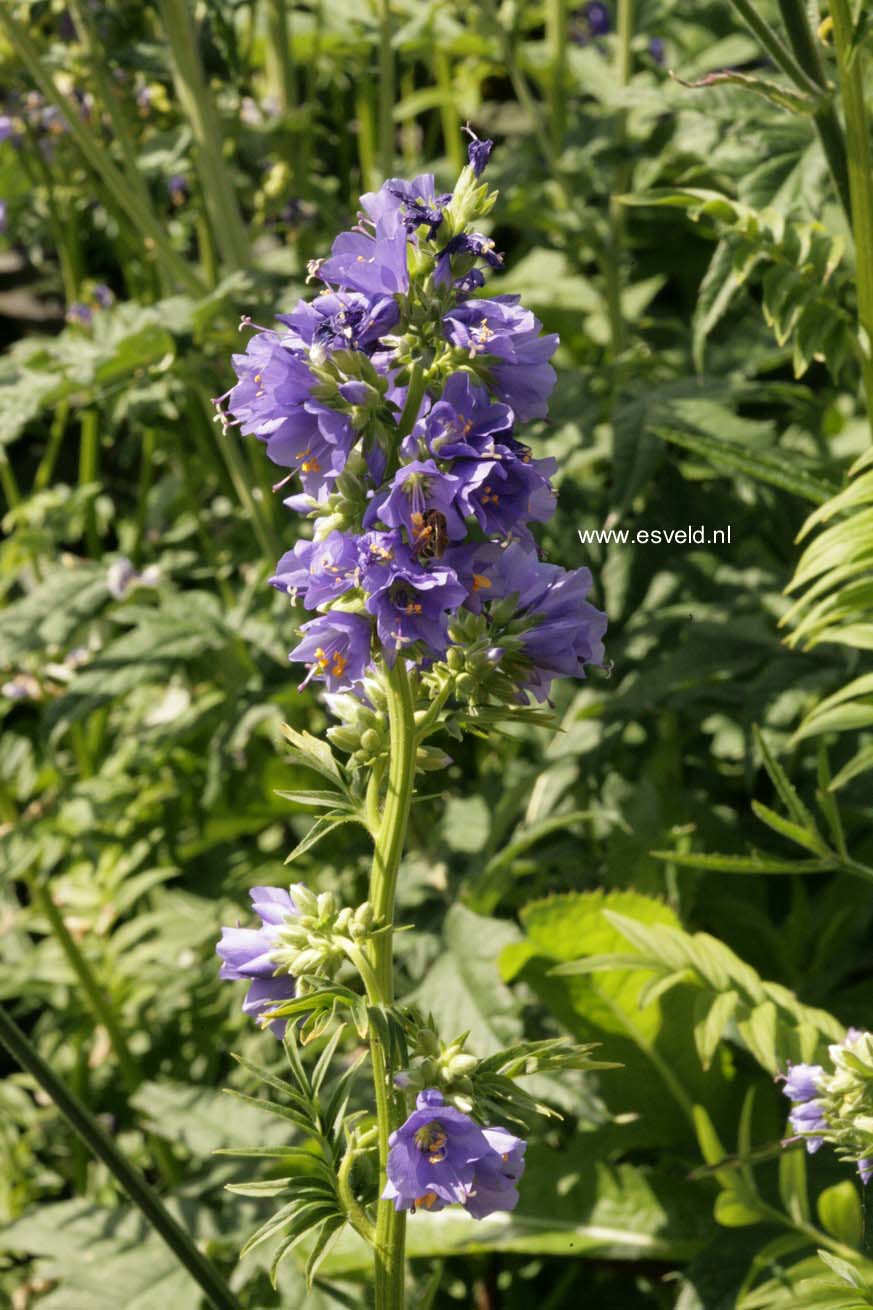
(414, 203)
(478, 152)
(337, 648)
(7, 128)
(246, 953)
(373, 264)
(598, 18)
(472, 244)
(657, 50)
(505, 493)
(3, 216)
(806, 1120)
(865, 1169)
(104, 296)
(495, 1176)
(338, 321)
(273, 400)
(80, 313)
(422, 500)
(565, 631)
(802, 1081)
(440, 1156)
(321, 570)
(463, 422)
(177, 189)
(411, 603)
(499, 327)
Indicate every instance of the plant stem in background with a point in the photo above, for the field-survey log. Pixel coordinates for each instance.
(89, 460)
(389, 840)
(804, 65)
(860, 162)
(92, 148)
(615, 251)
(556, 34)
(102, 1010)
(451, 123)
(386, 91)
(199, 107)
(280, 55)
(129, 1178)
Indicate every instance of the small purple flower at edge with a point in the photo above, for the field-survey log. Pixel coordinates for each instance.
(246, 954)
(802, 1081)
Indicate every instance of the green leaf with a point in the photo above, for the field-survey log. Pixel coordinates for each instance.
(463, 989)
(840, 1214)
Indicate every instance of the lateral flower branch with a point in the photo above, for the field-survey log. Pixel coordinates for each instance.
(392, 400)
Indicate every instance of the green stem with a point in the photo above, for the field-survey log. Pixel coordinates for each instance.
(199, 108)
(280, 55)
(94, 151)
(386, 91)
(451, 123)
(228, 444)
(556, 36)
(390, 1224)
(615, 253)
(860, 180)
(776, 49)
(101, 1009)
(129, 1178)
(89, 452)
(414, 395)
(803, 64)
(53, 446)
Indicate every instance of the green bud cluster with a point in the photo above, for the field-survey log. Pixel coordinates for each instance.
(448, 1068)
(315, 940)
(846, 1097)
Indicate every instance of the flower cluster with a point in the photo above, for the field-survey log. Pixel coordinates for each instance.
(300, 933)
(440, 1156)
(394, 396)
(836, 1105)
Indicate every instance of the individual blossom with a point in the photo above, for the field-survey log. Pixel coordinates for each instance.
(348, 320)
(802, 1081)
(506, 493)
(370, 263)
(246, 954)
(496, 1175)
(177, 189)
(440, 1156)
(319, 570)
(500, 328)
(411, 603)
(421, 496)
(478, 152)
(416, 204)
(336, 646)
(463, 422)
(808, 1121)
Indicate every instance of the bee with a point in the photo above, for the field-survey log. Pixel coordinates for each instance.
(429, 534)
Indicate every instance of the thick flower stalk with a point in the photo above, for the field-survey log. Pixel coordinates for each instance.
(835, 1104)
(392, 402)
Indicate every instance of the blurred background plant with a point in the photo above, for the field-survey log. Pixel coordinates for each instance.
(166, 167)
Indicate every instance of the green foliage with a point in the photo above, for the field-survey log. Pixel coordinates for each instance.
(596, 895)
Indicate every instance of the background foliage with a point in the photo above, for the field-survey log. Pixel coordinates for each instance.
(159, 180)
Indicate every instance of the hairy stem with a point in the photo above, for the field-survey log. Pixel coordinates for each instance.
(390, 1225)
(131, 1180)
(860, 181)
